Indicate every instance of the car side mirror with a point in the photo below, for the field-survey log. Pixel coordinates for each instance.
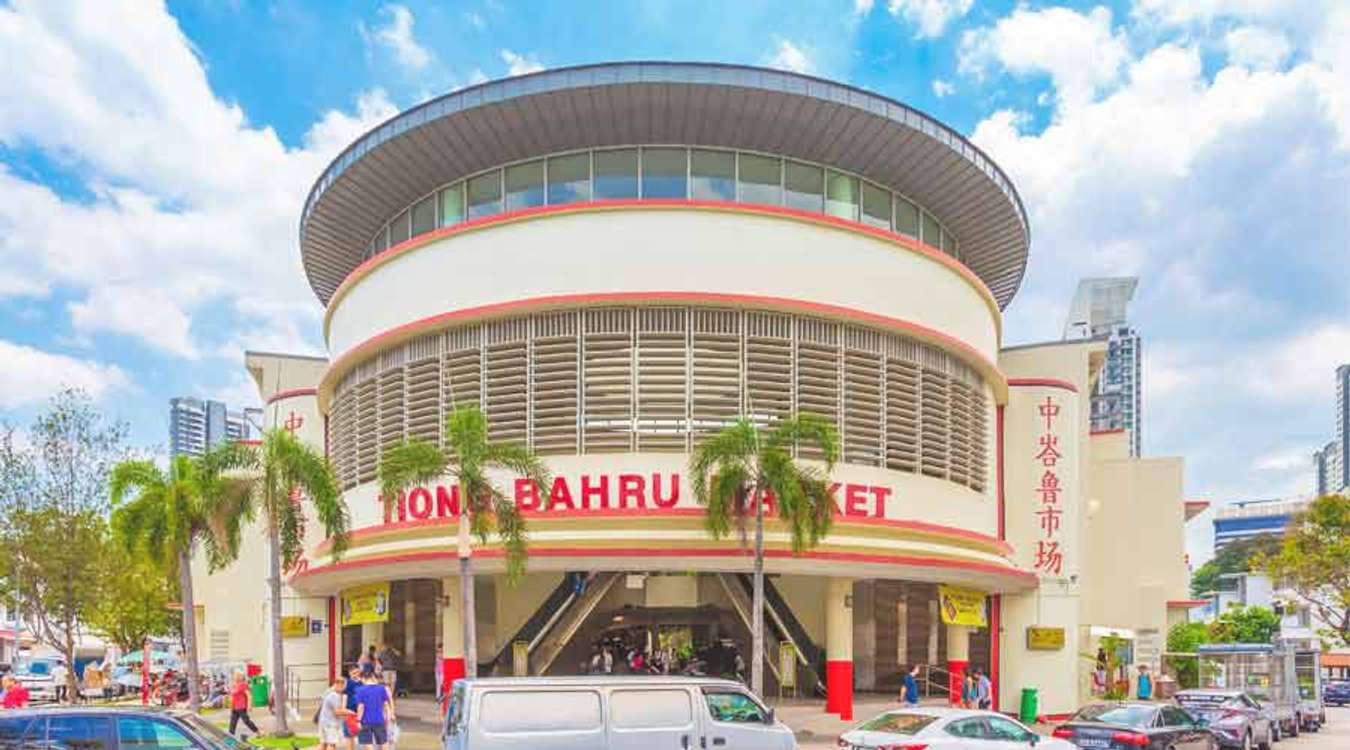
(1035, 739)
(769, 717)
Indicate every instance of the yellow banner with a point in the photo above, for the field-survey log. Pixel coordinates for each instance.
(1045, 639)
(294, 627)
(363, 604)
(961, 606)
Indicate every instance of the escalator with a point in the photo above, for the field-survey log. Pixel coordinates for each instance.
(557, 634)
(783, 624)
(552, 607)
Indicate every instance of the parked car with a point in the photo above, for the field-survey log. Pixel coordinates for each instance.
(35, 674)
(1132, 726)
(1236, 718)
(1336, 693)
(945, 729)
(599, 712)
(112, 728)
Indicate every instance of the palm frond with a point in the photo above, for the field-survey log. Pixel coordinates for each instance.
(409, 464)
(733, 444)
(129, 476)
(298, 467)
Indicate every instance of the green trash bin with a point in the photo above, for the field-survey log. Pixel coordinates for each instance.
(260, 689)
(1030, 706)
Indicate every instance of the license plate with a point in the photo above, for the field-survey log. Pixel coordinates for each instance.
(1094, 742)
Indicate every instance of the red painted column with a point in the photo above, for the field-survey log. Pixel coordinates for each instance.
(333, 626)
(452, 638)
(995, 628)
(839, 647)
(958, 659)
(956, 684)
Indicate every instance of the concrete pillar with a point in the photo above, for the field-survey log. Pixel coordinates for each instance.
(452, 632)
(839, 648)
(864, 635)
(372, 634)
(958, 658)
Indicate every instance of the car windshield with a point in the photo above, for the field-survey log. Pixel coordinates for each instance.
(213, 734)
(898, 723)
(1130, 716)
(36, 668)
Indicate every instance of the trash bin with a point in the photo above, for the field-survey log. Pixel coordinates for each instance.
(260, 690)
(1030, 706)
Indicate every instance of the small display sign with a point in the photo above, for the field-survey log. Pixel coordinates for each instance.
(1045, 639)
(961, 606)
(365, 604)
(296, 626)
(787, 665)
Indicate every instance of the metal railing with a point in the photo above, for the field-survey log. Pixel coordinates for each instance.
(300, 676)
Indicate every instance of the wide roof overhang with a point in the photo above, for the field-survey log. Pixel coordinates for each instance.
(642, 103)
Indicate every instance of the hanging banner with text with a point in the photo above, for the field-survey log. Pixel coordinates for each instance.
(961, 606)
(364, 604)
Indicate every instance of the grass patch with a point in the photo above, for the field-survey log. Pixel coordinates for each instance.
(284, 743)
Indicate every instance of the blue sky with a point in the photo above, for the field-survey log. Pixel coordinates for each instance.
(153, 160)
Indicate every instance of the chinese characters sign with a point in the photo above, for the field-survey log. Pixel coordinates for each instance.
(1049, 510)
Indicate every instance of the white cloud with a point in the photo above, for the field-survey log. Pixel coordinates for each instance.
(930, 17)
(1081, 52)
(943, 88)
(789, 56)
(862, 7)
(520, 64)
(396, 35)
(1256, 47)
(190, 212)
(30, 376)
(475, 20)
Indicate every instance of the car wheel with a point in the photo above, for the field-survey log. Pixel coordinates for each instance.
(1275, 731)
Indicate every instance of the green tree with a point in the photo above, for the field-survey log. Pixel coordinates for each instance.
(1186, 638)
(1245, 625)
(1236, 557)
(736, 471)
(172, 511)
(467, 458)
(275, 477)
(53, 508)
(1314, 561)
(134, 600)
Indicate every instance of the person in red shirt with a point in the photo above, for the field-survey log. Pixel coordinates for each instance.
(16, 695)
(239, 703)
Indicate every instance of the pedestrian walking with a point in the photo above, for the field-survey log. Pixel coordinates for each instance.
(374, 711)
(910, 694)
(240, 701)
(59, 676)
(1144, 685)
(16, 695)
(984, 691)
(968, 690)
(349, 725)
(332, 709)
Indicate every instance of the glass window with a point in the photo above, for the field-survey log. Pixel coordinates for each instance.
(616, 174)
(841, 195)
(140, 733)
(969, 728)
(1108, 713)
(665, 173)
(78, 733)
(738, 708)
(1006, 729)
(214, 735)
(569, 179)
(932, 232)
(525, 185)
(382, 240)
(509, 712)
(760, 180)
(898, 722)
(424, 216)
(452, 204)
(948, 243)
(804, 186)
(712, 175)
(876, 206)
(906, 217)
(398, 229)
(485, 195)
(11, 732)
(650, 709)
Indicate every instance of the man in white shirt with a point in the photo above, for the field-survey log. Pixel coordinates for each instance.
(59, 676)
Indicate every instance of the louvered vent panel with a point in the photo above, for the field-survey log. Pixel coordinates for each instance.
(934, 413)
(715, 369)
(607, 377)
(902, 414)
(768, 367)
(392, 395)
(507, 387)
(979, 442)
(817, 374)
(462, 368)
(424, 399)
(555, 390)
(962, 433)
(662, 372)
(341, 431)
(367, 431)
(862, 397)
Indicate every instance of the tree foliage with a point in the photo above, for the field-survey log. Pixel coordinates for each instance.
(1245, 625)
(134, 601)
(1237, 556)
(469, 457)
(1186, 638)
(1314, 561)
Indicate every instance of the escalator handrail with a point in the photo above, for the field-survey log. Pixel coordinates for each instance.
(785, 618)
(548, 609)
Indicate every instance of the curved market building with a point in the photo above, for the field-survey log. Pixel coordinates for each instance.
(616, 260)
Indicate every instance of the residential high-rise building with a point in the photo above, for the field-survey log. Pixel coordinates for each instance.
(1098, 311)
(195, 424)
(1326, 468)
(1248, 518)
(1331, 469)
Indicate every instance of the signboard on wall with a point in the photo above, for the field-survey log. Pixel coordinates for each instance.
(295, 626)
(961, 606)
(365, 604)
(1045, 639)
(787, 665)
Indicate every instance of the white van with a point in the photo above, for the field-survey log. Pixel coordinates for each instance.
(613, 713)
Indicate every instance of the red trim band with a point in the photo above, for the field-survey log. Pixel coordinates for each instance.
(1116, 431)
(995, 625)
(970, 354)
(1043, 383)
(998, 469)
(292, 393)
(1186, 603)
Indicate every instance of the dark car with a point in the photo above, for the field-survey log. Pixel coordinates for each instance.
(1237, 719)
(1336, 693)
(1131, 726)
(109, 728)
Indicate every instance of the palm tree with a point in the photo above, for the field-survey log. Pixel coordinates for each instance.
(736, 468)
(278, 473)
(172, 512)
(468, 456)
